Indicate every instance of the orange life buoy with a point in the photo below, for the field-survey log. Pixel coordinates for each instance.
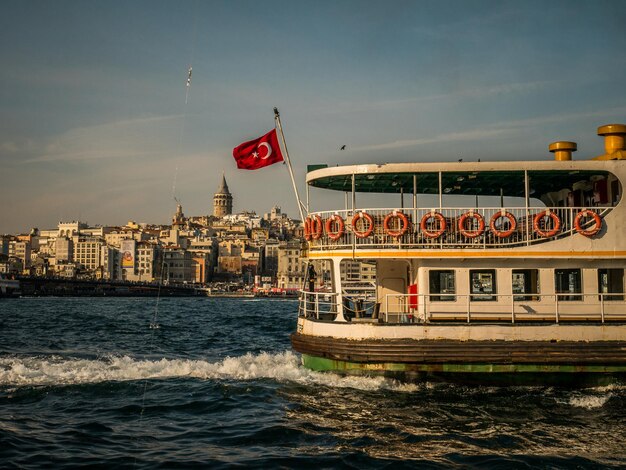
(340, 227)
(316, 227)
(368, 231)
(471, 233)
(556, 224)
(403, 220)
(433, 233)
(503, 233)
(591, 231)
(307, 229)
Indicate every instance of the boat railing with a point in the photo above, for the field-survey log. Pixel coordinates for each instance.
(466, 308)
(424, 227)
(318, 305)
(515, 307)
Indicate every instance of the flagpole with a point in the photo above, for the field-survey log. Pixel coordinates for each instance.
(288, 160)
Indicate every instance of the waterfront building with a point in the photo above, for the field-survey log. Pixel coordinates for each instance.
(110, 265)
(70, 229)
(68, 270)
(207, 248)
(229, 265)
(50, 234)
(291, 266)
(201, 220)
(259, 235)
(148, 258)
(357, 271)
(177, 265)
(64, 250)
(116, 235)
(4, 244)
(202, 267)
(276, 213)
(269, 257)
(46, 247)
(88, 252)
(21, 249)
(250, 263)
(97, 231)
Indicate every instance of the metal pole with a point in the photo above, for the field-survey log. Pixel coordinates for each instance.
(602, 307)
(526, 198)
(556, 307)
(512, 308)
(317, 305)
(353, 193)
(386, 308)
(440, 192)
(415, 198)
(293, 181)
(353, 213)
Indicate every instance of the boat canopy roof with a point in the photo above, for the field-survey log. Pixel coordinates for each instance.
(461, 179)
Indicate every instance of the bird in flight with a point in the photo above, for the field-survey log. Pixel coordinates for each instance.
(343, 147)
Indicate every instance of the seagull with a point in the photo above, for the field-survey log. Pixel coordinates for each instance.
(343, 147)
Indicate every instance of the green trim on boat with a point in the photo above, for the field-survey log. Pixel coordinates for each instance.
(322, 364)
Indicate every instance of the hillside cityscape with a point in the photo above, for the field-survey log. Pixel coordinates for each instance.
(243, 251)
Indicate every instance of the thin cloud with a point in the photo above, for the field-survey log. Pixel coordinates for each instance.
(126, 138)
(476, 92)
(541, 120)
(478, 134)
(495, 131)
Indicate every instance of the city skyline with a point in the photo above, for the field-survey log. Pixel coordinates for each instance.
(95, 125)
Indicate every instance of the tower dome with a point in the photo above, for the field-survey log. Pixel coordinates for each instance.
(222, 200)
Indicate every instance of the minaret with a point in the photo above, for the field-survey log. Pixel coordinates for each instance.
(222, 200)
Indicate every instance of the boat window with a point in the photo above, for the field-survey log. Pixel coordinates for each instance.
(483, 283)
(611, 284)
(568, 281)
(442, 286)
(525, 281)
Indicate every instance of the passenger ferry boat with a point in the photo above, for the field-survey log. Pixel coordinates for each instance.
(506, 272)
(9, 287)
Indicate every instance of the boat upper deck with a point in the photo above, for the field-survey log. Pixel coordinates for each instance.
(568, 205)
(461, 178)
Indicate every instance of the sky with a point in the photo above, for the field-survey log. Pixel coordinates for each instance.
(94, 124)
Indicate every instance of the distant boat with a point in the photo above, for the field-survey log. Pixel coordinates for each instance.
(527, 287)
(9, 287)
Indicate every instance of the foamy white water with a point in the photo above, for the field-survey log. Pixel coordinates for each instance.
(283, 367)
(589, 401)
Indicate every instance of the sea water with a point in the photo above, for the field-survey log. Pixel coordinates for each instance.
(141, 383)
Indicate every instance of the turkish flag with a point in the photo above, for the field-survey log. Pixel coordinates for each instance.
(258, 153)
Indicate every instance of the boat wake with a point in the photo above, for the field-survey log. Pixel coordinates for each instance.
(24, 371)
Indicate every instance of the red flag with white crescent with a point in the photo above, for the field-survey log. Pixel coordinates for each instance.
(258, 153)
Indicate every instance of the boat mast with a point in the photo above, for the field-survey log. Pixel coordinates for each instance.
(293, 181)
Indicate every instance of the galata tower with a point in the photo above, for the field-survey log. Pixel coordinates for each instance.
(222, 200)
